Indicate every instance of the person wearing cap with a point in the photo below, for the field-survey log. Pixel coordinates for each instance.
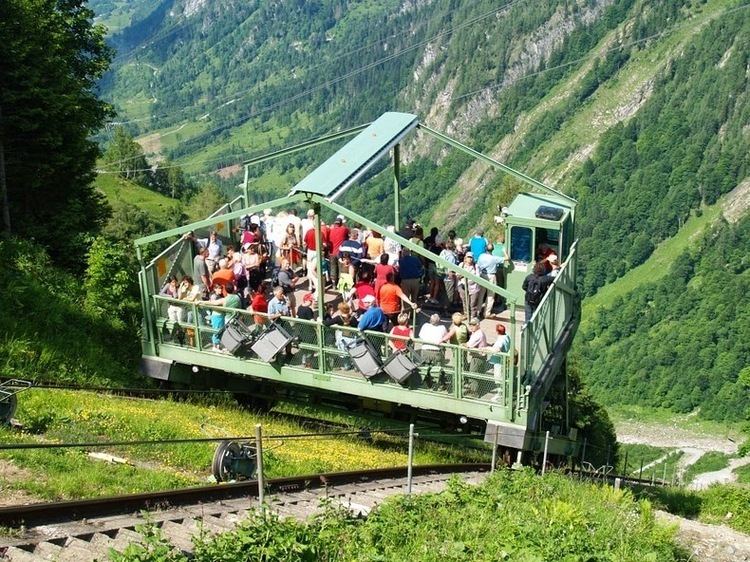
(478, 243)
(374, 318)
(449, 277)
(337, 235)
(469, 290)
(554, 265)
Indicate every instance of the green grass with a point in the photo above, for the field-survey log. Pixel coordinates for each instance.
(76, 417)
(721, 504)
(709, 462)
(120, 192)
(637, 453)
(666, 469)
(743, 474)
(511, 516)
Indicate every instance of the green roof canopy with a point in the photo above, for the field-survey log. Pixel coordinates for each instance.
(353, 159)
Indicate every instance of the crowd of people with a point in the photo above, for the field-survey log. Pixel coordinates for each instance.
(378, 284)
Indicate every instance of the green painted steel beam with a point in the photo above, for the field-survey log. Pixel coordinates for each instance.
(180, 230)
(511, 298)
(352, 160)
(304, 145)
(494, 163)
(335, 383)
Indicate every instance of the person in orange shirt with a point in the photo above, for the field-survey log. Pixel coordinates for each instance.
(223, 275)
(390, 298)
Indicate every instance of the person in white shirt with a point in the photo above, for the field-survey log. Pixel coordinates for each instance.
(432, 333)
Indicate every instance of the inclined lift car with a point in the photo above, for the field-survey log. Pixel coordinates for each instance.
(515, 404)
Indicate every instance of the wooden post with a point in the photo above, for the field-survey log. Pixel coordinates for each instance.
(410, 460)
(259, 459)
(544, 457)
(494, 450)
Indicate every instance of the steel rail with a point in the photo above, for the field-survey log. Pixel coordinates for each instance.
(56, 512)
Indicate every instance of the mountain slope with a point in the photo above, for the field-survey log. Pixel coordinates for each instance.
(639, 108)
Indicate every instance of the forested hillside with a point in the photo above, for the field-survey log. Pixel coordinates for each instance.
(680, 342)
(637, 107)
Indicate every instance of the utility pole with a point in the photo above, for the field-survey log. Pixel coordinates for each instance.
(3, 185)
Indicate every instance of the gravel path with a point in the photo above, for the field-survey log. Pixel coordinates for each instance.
(723, 476)
(709, 543)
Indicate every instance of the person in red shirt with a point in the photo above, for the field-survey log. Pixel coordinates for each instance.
(259, 304)
(337, 235)
(402, 330)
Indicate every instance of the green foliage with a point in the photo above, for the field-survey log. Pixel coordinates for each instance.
(207, 199)
(46, 332)
(111, 284)
(125, 156)
(682, 341)
(49, 110)
(512, 516)
(708, 462)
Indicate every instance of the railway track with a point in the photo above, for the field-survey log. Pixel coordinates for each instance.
(86, 530)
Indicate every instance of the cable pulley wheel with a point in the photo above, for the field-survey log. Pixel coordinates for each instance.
(227, 453)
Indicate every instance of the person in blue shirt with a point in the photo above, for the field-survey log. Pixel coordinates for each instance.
(410, 270)
(488, 265)
(374, 318)
(278, 305)
(478, 243)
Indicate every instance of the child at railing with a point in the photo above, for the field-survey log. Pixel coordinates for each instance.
(402, 330)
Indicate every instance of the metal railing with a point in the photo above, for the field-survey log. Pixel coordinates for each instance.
(444, 369)
(540, 335)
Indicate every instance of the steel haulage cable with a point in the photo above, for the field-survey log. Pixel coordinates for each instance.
(291, 436)
(340, 78)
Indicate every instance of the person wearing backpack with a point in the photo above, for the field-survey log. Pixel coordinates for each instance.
(535, 285)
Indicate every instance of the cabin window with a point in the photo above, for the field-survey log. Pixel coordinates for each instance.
(521, 243)
(547, 237)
